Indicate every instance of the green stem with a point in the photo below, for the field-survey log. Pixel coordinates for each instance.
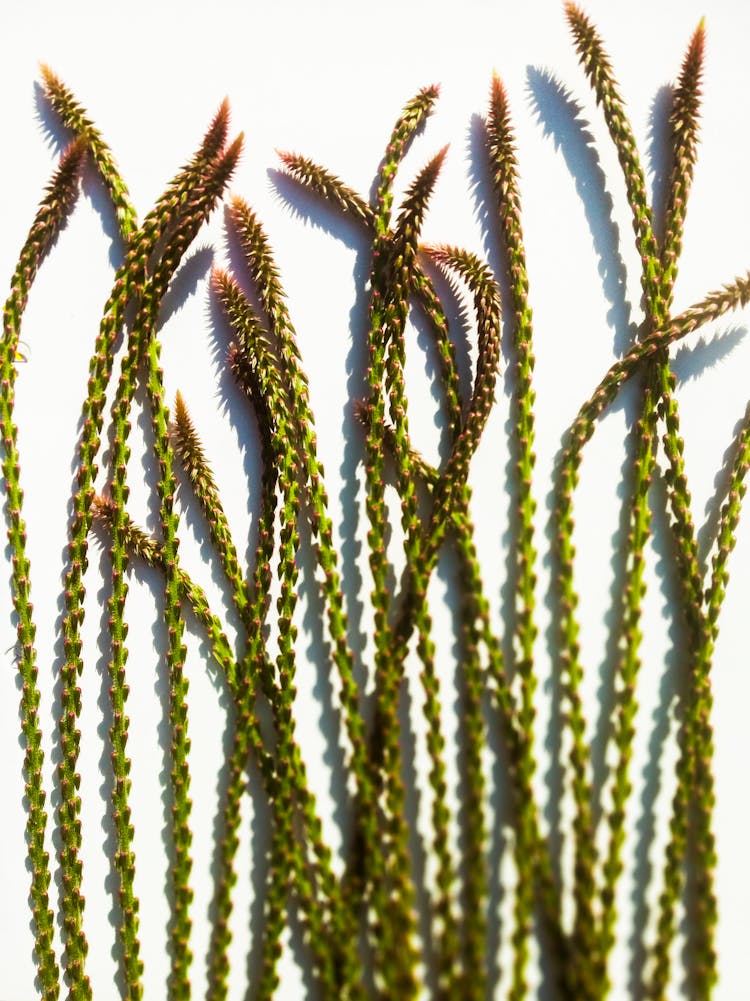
(58, 202)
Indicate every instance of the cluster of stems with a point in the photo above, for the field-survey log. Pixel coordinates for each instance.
(363, 932)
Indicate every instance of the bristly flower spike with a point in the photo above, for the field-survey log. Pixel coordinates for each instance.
(327, 186)
(190, 452)
(684, 121)
(598, 68)
(412, 117)
(75, 117)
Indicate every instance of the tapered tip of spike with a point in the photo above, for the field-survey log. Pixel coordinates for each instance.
(220, 121)
(497, 88)
(573, 14)
(698, 41)
(230, 157)
(437, 252)
(48, 77)
(74, 152)
(220, 279)
(236, 147)
(429, 174)
(498, 98)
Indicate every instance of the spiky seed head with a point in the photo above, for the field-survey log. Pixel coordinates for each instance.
(419, 192)
(698, 42)
(692, 64)
(686, 109)
(500, 137)
(590, 48)
(181, 414)
(241, 212)
(290, 160)
(326, 184)
(50, 79)
(230, 158)
(216, 134)
(421, 103)
(61, 190)
(433, 168)
(222, 283)
(575, 16)
(72, 157)
(438, 252)
(498, 99)
(187, 444)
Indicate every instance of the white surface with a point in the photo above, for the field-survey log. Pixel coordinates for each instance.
(328, 80)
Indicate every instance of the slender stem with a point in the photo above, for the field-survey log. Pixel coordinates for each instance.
(57, 203)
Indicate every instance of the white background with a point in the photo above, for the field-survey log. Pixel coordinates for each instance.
(328, 80)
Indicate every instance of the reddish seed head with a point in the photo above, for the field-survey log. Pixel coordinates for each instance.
(571, 10)
(697, 46)
(289, 160)
(49, 79)
(498, 100)
(217, 130)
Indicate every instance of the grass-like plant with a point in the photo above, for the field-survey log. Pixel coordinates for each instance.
(363, 934)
